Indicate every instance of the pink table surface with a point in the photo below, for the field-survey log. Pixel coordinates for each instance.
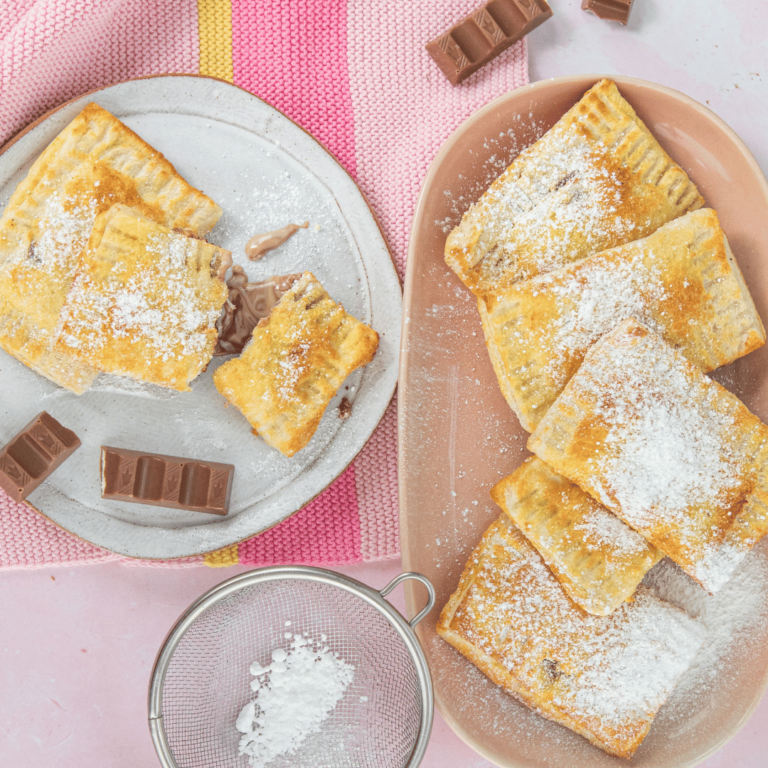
(77, 644)
(77, 647)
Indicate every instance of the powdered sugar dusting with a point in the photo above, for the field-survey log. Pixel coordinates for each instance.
(64, 229)
(565, 201)
(672, 454)
(669, 457)
(294, 696)
(610, 672)
(160, 305)
(735, 618)
(595, 296)
(603, 530)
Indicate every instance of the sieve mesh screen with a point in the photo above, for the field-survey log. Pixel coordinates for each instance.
(374, 725)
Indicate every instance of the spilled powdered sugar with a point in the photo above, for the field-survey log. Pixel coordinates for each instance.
(294, 696)
(735, 618)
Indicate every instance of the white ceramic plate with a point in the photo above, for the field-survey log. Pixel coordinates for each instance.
(265, 172)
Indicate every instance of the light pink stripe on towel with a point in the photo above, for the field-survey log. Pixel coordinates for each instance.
(59, 49)
(404, 110)
(293, 54)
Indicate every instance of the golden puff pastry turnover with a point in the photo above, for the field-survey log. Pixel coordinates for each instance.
(297, 359)
(668, 450)
(598, 559)
(144, 301)
(596, 179)
(95, 162)
(682, 281)
(604, 677)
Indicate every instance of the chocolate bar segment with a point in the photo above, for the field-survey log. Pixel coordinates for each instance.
(612, 10)
(32, 455)
(484, 34)
(165, 481)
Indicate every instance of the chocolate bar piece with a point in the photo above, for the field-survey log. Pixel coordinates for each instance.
(39, 449)
(165, 481)
(612, 10)
(246, 305)
(484, 34)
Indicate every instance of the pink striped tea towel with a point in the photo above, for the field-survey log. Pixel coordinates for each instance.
(355, 74)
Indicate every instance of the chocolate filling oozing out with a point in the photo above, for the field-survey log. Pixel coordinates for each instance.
(246, 305)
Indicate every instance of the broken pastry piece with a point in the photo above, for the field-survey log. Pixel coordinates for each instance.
(668, 450)
(598, 559)
(604, 677)
(682, 281)
(296, 361)
(144, 302)
(95, 162)
(596, 179)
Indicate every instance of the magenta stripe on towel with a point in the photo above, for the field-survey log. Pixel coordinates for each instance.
(293, 54)
(326, 531)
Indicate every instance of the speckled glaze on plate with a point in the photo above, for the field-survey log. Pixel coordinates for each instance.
(458, 436)
(264, 171)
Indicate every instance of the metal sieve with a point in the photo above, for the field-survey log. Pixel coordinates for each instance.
(201, 679)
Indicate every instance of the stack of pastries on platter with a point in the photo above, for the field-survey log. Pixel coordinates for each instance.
(606, 290)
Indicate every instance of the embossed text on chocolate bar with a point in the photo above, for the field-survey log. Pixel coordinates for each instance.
(613, 10)
(30, 457)
(165, 481)
(484, 34)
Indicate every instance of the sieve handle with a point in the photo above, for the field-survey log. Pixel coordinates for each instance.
(425, 581)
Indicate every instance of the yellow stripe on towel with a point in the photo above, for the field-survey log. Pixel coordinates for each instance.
(214, 24)
(221, 558)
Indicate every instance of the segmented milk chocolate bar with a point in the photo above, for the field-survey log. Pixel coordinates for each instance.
(165, 481)
(32, 455)
(484, 34)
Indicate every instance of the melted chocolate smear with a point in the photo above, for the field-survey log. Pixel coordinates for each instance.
(258, 245)
(247, 304)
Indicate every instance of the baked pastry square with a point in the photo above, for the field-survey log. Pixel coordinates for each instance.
(598, 559)
(95, 162)
(665, 448)
(604, 677)
(144, 301)
(596, 179)
(297, 359)
(682, 281)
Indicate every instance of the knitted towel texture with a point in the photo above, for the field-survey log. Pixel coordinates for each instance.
(354, 74)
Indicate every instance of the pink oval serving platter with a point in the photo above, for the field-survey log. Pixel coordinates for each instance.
(458, 436)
